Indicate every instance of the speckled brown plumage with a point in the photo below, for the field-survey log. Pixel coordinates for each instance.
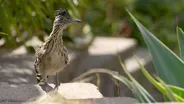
(52, 56)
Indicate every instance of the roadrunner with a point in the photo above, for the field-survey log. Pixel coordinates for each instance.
(52, 56)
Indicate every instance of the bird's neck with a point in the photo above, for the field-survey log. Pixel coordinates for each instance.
(56, 34)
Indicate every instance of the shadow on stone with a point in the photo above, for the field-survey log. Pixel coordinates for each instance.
(17, 69)
(18, 94)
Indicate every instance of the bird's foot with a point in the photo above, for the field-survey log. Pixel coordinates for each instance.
(43, 85)
(56, 87)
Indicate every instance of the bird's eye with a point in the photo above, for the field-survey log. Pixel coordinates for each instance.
(58, 13)
(63, 13)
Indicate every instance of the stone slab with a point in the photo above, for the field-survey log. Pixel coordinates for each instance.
(24, 92)
(107, 100)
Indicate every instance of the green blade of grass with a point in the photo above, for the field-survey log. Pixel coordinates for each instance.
(142, 93)
(180, 35)
(169, 92)
(165, 61)
(178, 92)
(105, 71)
(139, 94)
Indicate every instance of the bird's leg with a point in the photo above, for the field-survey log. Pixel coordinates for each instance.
(57, 81)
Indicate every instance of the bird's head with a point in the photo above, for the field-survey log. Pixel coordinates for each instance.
(63, 18)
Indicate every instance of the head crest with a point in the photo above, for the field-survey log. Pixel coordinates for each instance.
(62, 12)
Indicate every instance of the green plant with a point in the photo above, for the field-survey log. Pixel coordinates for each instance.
(169, 69)
(168, 65)
(24, 19)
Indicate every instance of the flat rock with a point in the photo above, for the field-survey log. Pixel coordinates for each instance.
(68, 93)
(24, 92)
(56, 99)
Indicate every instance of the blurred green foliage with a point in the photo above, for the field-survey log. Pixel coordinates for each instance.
(23, 19)
(161, 17)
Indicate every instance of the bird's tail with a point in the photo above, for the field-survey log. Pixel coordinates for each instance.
(39, 78)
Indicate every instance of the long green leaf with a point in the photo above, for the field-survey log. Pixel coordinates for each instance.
(143, 95)
(169, 92)
(138, 91)
(178, 92)
(115, 75)
(180, 35)
(169, 66)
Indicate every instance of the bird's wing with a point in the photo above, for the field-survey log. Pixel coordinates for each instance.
(40, 52)
(65, 53)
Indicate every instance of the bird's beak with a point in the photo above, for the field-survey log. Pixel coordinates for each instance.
(75, 20)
